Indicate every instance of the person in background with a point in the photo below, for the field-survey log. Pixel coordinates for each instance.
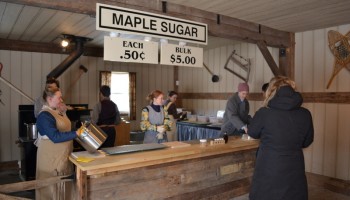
(170, 106)
(284, 129)
(39, 102)
(236, 117)
(55, 144)
(154, 119)
(106, 115)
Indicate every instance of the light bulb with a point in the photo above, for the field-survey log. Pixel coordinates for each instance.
(163, 41)
(64, 43)
(147, 38)
(182, 43)
(113, 34)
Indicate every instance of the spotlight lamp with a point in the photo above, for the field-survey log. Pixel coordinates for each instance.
(64, 43)
(114, 34)
(67, 40)
(163, 41)
(182, 43)
(147, 38)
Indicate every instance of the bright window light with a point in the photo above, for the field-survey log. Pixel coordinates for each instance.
(120, 91)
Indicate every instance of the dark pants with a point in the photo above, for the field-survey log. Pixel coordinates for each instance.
(110, 131)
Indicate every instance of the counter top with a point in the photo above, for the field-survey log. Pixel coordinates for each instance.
(141, 159)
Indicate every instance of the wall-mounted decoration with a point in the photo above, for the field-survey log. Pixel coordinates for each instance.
(244, 66)
(340, 48)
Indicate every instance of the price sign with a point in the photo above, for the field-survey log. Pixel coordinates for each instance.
(181, 55)
(127, 50)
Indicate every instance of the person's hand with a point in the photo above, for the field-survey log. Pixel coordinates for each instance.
(61, 107)
(80, 131)
(160, 136)
(245, 129)
(160, 129)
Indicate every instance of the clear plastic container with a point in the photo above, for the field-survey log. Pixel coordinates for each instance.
(202, 118)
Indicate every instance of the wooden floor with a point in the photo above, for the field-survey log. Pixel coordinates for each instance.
(316, 192)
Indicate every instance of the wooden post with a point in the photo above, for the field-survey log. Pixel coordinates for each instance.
(81, 184)
(286, 58)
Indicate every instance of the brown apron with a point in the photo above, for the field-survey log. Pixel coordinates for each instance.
(172, 135)
(52, 160)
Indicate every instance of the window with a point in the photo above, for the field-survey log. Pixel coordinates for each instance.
(120, 91)
(123, 90)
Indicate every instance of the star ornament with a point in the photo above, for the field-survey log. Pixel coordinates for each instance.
(340, 48)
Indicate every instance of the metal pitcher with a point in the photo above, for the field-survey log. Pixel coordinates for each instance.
(92, 137)
(32, 132)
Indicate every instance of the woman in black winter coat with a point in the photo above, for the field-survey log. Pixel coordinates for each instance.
(284, 129)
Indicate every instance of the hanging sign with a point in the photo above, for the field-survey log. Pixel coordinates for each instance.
(128, 50)
(118, 19)
(181, 55)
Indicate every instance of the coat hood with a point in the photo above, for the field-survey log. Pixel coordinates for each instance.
(286, 99)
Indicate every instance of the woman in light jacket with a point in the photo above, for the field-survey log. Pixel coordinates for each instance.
(154, 119)
(284, 129)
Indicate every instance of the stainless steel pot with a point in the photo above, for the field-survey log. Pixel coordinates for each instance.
(92, 137)
(32, 132)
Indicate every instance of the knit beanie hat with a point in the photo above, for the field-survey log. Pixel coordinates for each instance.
(243, 87)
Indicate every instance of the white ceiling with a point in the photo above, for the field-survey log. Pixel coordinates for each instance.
(27, 23)
(286, 15)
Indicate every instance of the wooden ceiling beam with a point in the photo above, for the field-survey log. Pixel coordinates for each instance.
(219, 26)
(269, 59)
(308, 97)
(17, 45)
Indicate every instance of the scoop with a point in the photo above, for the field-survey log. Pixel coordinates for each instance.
(214, 78)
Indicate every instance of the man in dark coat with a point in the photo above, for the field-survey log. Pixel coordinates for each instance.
(106, 115)
(284, 129)
(236, 116)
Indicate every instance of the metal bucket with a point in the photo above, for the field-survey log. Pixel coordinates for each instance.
(92, 137)
(32, 132)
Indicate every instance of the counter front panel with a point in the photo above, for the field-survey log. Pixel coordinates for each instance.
(220, 171)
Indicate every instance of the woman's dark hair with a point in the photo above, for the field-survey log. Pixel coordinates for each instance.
(52, 80)
(172, 93)
(105, 90)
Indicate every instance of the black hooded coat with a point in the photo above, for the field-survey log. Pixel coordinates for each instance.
(284, 129)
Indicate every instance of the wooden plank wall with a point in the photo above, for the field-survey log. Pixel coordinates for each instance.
(329, 154)
(27, 71)
(198, 80)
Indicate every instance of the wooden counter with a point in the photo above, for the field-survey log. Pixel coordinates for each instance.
(221, 171)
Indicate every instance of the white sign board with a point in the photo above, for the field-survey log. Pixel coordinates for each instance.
(181, 55)
(118, 19)
(127, 50)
